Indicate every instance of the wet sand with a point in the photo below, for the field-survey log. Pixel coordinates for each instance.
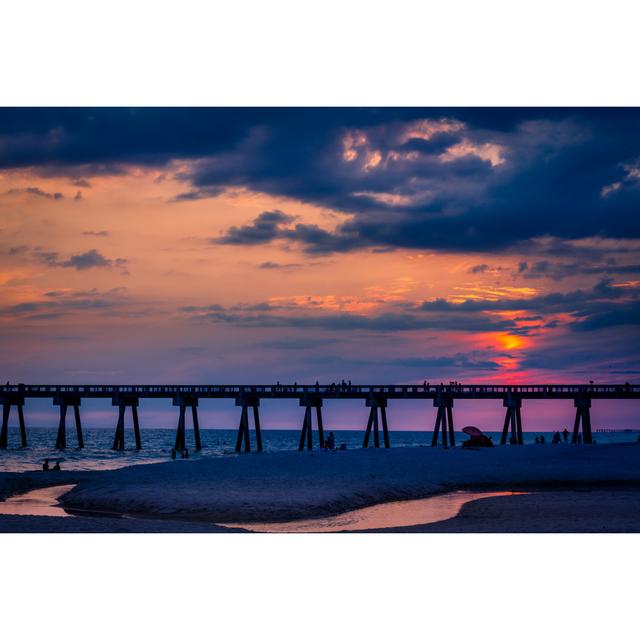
(563, 511)
(575, 511)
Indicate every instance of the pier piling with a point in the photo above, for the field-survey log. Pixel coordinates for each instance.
(377, 403)
(64, 401)
(9, 401)
(184, 401)
(243, 429)
(122, 402)
(306, 434)
(444, 421)
(583, 416)
(513, 419)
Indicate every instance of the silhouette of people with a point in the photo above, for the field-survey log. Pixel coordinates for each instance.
(331, 441)
(537, 440)
(45, 466)
(56, 467)
(565, 435)
(542, 440)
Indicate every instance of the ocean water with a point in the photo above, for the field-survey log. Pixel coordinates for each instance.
(157, 444)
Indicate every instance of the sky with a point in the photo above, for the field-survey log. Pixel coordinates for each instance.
(377, 245)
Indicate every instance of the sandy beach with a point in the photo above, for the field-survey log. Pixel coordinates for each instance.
(593, 488)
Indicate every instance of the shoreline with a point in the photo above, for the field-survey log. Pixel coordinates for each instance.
(284, 486)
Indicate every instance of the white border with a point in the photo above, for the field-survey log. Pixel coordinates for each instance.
(336, 52)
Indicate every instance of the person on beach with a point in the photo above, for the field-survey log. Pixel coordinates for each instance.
(56, 467)
(565, 435)
(542, 440)
(537, 440)
(45, 466)
(331, 441)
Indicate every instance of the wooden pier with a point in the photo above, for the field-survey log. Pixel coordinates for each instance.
(376, 397)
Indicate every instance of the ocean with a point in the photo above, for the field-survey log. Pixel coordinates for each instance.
(157, 444)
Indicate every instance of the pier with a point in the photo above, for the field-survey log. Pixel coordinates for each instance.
(311, 397)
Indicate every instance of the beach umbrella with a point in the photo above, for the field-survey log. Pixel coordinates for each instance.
(474, 432)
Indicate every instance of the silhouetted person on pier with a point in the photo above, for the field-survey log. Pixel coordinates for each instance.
(56, 467)
(565, 435)
(45, 466)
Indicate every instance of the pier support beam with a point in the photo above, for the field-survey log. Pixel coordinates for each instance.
(512, 418)
(122, 402)
(583, 415)
(8, 401)
(181, 440)
(444, 420)
(243, 429)
(306, 434)
(64, 401)
(377, 403)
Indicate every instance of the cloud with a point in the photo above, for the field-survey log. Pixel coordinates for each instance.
(37, 193)
(266, 227)
(91, 259)
(267, 315)
(81, 261)
(55, 304)
(101, 234)
(560, 270)
(277, 265)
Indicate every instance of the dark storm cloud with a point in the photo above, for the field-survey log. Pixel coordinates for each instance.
(560, 270)
(482, 179)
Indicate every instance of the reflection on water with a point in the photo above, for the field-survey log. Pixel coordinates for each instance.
(39, 502)
(382, 516)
